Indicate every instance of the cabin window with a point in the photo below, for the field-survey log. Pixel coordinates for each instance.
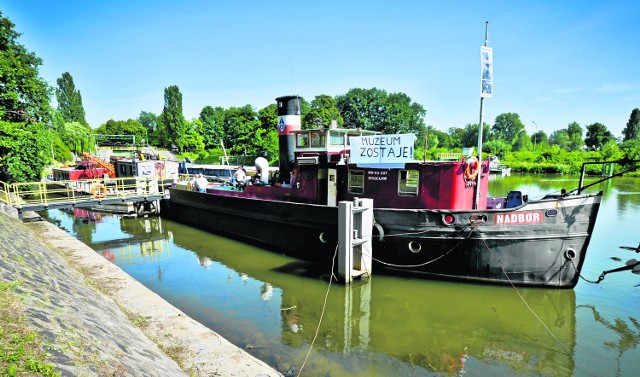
(302, 140)
(317, 140)
(336, 139)
(356, 181)
(408, 182)
(123, 169)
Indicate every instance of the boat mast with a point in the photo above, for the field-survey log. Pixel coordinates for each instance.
(486, 90)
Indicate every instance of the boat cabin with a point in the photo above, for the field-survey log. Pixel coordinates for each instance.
(323, 172)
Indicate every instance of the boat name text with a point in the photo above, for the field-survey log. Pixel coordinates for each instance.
(518, 218)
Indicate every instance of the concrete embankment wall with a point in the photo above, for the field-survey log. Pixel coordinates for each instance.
(97, 320)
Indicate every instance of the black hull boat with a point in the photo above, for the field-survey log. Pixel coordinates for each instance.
(430, 218)
(541, 243)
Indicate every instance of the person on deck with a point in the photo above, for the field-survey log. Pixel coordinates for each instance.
(202, 183)
(240, 177)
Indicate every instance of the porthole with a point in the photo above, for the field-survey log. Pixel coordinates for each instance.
(415, 247)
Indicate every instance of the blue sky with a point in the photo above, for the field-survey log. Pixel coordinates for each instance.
(555, 62)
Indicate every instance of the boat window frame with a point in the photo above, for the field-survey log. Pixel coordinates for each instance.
(317, 139)
(405, 192)
(355, 189)
(302, 140)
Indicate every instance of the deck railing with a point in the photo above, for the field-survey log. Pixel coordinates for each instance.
(59, 193)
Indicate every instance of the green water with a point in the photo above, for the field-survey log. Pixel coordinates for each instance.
(271, 305)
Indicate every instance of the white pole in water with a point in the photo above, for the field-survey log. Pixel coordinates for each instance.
(484, 92)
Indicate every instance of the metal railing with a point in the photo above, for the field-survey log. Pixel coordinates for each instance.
(46, 194)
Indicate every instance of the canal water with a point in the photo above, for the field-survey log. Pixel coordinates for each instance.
(270, 305)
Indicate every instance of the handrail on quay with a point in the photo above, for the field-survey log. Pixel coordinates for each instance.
(35, 196)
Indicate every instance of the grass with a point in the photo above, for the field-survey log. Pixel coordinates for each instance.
(21, 350)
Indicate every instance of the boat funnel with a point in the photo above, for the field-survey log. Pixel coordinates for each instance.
(288, 121)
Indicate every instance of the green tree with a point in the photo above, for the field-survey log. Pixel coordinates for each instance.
(156, 133)
(240, 128)
(575, 136)
(507, 127)
(560, 138)
(212, 125)
(124, 127)
(455, 137)
(322, 110)
(23, 94)
(70, 100)
(25, 150)
(77, 137)
(497, 147)
(172, 116)
(597, 136)
(539, 138)
(470, 136)
(192, 140)
(437, 138)
(267, 138)
(374, 109)
(632, 130)
(522, 142)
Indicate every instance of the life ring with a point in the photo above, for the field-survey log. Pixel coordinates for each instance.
(98, 191)
(471, 168)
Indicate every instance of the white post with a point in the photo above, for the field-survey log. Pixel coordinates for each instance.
(355, 227)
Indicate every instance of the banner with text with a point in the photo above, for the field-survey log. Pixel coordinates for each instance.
(382, 149)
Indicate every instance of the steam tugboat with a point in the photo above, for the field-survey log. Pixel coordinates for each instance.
(431, 218)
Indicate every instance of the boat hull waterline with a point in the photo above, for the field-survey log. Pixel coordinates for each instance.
(540, 243)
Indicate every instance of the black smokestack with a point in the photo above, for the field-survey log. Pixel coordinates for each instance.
(288, 121)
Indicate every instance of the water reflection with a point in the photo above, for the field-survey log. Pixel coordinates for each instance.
(622, 337)
(271, 304)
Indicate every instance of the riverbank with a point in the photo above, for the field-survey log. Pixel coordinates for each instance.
(95, 320)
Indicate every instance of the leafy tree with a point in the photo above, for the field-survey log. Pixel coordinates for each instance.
(322, 110)
(240, 128)
(70, 100)
(192, 140)
(497, 147)
(597, 136)
(25, 150)
(522, 142)
(539, 138)
(631, 149)
(212, 125)
(77, 137)
(455, 137)
(124, 127)
(437, 138)
(575, 136)
(156, 133)
(507, 127)
(374, 109)
(23, 94)
(470, 136)
(632, 130)
(172, 117)
(560, 138)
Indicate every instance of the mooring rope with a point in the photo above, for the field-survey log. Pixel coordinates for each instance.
(525, 301)
(324, 306)
(420, 264)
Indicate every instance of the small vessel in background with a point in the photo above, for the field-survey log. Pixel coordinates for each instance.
(497, 168)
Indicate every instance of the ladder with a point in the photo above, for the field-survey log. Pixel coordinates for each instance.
(111, 170)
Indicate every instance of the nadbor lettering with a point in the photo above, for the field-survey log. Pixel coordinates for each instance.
(518, 218)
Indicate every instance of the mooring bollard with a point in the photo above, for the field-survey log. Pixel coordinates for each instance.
(355, 223)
